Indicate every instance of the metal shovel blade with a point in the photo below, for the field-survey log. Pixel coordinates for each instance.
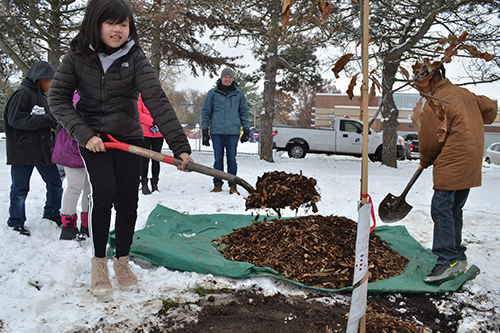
(393, 209)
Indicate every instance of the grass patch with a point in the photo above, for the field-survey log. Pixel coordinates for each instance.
(169, 304)
(202, 291)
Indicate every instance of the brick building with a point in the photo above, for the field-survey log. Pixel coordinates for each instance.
(338, 105)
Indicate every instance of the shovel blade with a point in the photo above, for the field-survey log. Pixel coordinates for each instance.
(393, 209)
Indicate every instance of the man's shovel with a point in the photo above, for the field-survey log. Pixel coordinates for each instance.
(394, 209)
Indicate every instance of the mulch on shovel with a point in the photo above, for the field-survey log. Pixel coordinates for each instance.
(317, 251)
(277, 189)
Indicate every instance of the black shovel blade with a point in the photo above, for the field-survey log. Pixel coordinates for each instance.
(393, 209)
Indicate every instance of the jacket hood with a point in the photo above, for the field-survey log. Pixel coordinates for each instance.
(40, 70)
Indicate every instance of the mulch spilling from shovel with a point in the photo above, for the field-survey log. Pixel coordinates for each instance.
(276, 190)
(314, 250)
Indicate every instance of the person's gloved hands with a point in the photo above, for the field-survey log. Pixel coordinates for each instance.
(206, 137)
(245, 135)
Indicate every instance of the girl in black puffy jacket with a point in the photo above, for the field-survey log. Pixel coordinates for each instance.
(107, 67)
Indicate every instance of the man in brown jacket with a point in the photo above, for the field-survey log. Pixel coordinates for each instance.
(451, 139)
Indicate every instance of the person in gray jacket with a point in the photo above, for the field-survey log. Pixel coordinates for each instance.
(30, 132)
(108, 69)
(223, 114)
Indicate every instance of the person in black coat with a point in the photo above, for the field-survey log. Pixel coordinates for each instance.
(108, 69)
(29, 128)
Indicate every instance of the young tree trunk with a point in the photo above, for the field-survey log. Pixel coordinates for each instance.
(54, 53)
(390, 115)
(267, 117)
(156, 44)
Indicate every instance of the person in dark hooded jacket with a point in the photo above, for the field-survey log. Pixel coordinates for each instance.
(29, 128)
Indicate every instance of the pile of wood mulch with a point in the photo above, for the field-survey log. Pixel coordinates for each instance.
(314, 250)
(277, 189)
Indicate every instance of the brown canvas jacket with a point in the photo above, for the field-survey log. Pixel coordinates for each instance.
(457, 161)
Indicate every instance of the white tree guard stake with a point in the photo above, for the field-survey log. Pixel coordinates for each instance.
(360, 280)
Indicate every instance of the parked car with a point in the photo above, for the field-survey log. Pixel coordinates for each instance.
(411, 146)
(492, 154)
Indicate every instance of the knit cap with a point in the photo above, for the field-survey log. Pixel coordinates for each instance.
(227, 71)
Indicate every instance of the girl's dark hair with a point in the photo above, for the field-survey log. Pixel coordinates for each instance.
(97, 12)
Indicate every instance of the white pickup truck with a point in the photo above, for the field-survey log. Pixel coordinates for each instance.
(345, 137)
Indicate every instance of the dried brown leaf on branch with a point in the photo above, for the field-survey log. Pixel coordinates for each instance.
(419, 69)
(377, 83)
(449, 52)
(340, 64)
(463, 36)
(372, 96)
(458, 44)
(359, 42)
(350, 89)
(285, 12)
(315, 250)
(278, 189)
(440, 112)
(405, 72)
(325, 9)
(473, 51)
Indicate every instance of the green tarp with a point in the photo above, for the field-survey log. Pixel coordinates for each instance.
(183, 242)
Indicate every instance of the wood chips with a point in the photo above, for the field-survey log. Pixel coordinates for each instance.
(315, 250)
(277, 190)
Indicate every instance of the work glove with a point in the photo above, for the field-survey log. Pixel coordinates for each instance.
(245, 135)
(206, 137)
(154, 129)
(37, 110)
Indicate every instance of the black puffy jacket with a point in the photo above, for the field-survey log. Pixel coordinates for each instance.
(30, 138)
(108, 99)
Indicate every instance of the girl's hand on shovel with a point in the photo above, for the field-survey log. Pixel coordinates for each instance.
(95, 144)
(186, 158)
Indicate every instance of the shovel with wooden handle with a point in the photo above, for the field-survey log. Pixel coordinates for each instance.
(394, 209)
(115, 144)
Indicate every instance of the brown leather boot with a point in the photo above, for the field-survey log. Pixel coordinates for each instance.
(217, 188)
(233, 190)
(145, 188)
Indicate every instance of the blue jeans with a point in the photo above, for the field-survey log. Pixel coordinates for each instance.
(446, 212)
(20, 176)
(230, 144)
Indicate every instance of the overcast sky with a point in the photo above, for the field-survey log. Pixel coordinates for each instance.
(204, 83)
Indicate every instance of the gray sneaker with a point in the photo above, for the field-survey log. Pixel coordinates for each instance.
(444, 272)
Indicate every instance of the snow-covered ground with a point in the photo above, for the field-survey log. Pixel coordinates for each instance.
(44, 282)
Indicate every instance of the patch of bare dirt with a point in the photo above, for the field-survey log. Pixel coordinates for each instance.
(250, 312)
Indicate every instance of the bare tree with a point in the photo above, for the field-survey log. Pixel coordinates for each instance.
(260, 25)
(170, 32)
(37, 30)
(407, 30)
